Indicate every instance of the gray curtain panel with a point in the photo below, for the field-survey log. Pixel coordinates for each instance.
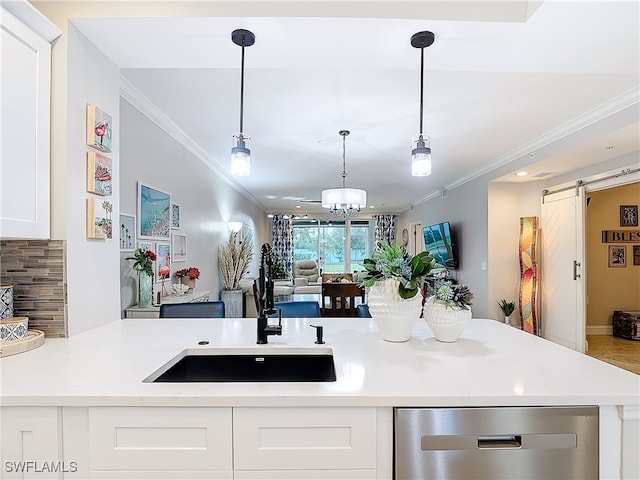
(282, 242)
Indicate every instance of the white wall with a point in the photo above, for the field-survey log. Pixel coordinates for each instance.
(92, 265)
(207, 202)
(486, 219)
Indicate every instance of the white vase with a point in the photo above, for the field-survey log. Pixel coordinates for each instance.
(446, 323)
(395, 316)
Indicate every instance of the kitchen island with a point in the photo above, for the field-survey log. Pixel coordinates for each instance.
(87, 393)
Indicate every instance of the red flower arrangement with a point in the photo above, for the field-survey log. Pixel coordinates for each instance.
(144, 259)
(191, 272)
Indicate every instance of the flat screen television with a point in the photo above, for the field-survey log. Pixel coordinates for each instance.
(439, 243)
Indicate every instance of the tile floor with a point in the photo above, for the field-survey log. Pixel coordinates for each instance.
(617, 351)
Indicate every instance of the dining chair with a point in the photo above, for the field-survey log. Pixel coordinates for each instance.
(303, 309)
(339, 299)
(213, 309)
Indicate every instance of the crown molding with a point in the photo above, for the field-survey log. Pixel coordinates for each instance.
(132, 95)
(616, 104)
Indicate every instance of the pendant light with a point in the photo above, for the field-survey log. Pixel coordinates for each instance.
(240, 152)
(344, 202)
(421, 143)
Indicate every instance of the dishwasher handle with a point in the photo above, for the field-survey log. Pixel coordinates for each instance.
(499, 441)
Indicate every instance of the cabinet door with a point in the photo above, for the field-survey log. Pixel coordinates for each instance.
(330, 438)
(154, 439)
(29, 446)
(25, 79)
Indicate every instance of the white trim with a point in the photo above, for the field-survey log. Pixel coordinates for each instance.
(32, 18)
(133, 96)
(615, 105)
(599, 330)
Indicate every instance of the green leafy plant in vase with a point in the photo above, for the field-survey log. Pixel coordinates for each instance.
(507, 308)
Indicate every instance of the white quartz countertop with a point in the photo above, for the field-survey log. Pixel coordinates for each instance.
(492, 364)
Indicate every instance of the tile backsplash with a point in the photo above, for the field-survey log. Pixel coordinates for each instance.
(35, 268)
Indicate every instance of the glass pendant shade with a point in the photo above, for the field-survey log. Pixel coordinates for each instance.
(240, 155)
(421, 156)
(349, 198)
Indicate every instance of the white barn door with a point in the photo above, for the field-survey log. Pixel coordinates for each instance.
(562, 299)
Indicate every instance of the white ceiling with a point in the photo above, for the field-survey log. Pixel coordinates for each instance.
(495, 91)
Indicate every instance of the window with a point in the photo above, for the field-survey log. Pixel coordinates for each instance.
(338, 246)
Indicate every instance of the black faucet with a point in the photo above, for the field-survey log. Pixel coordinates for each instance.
(265, 297)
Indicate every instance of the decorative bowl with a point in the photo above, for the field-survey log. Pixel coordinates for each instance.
(179, 288)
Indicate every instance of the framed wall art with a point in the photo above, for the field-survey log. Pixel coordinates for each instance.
(636, 254)
(179, 247)
(628, 215)
(127, 231)
(99, 172)
(617, 256)
(99, 224)
(175, 215)
(154, 213)
(99, 129)
(163, 262)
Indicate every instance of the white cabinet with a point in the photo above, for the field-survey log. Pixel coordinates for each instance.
(30, 445)
(25, 85)
(160, 442)
(304, 442)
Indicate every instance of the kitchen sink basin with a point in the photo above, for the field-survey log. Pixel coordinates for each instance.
(248, 365)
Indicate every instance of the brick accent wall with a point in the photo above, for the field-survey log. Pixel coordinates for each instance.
(35, 268)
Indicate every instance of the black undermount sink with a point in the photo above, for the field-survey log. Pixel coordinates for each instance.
(249, 365)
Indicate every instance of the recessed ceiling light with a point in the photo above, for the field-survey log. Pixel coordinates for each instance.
(297, 206)
(372, 206)
(521, 174)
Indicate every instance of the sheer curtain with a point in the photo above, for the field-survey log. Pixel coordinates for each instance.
(282, 241)
(385, 228)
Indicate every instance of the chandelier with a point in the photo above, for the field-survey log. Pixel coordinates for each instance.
(344, 202)
(421, 152)
(240, 152)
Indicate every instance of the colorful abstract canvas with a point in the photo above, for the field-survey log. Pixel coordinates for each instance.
(99, 223)
(99, 174)
(99, 129)
(529, 273)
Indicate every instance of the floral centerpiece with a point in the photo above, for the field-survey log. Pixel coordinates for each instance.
(191, 272)
(186, 277)
(143, 264)
(391, 261)
(394, 278)
(448, 309)
(144, 259)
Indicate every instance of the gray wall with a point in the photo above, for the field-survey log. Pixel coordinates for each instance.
(207, 201)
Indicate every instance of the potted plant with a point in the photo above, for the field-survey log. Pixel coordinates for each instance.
(188, 277)
(143, 264)
(394, 278)
(507, 309)
(447, 310)
(234, 258)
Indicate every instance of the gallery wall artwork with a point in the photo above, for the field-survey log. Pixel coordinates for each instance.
(628, 215)
(154, 213)
(529, 274)
(163, 261)
(179, 246)
(99, 129)
(175, 215)
(617, 256)
(99, 174)
(127, 231)
(99, 223)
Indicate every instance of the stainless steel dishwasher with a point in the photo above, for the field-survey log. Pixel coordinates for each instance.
(495, 443)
